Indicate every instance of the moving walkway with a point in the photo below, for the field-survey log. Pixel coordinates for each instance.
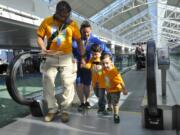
(153, 115)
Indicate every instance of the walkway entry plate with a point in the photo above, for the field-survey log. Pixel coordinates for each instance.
(153, 121)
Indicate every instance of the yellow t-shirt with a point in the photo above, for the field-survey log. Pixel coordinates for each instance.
(113, 80)
(97, 74)
(63, 41)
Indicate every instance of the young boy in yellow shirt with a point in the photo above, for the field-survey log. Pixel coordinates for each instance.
(114, 84)
(97, 77)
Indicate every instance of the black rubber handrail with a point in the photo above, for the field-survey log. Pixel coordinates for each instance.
(151, 77)
(10, 79)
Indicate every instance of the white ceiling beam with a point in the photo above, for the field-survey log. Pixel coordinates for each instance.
(171, 35)
(140, 35)
(137, 29)
(161, 5)
(112, 7)
(125, 7)
(132, 26)
(130, 21)
(171, 12)
(171, 29)
(142, 38)
(171, 23)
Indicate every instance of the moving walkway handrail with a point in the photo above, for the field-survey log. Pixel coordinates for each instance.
(151, 77)
(10, 79)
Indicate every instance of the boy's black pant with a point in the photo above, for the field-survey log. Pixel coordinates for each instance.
(101, 94)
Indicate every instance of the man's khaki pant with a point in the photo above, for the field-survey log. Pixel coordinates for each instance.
(49, 69)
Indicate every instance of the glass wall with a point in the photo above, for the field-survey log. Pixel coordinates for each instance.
(123, 58)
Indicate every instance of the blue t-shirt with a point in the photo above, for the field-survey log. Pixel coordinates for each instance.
(88, 44)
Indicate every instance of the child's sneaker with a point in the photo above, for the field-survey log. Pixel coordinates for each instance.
(99, 111)
(109, 109)
(102, 111)
(81, 107)
(105, 112)
(116, 118)
(64, 117)
(87, 105)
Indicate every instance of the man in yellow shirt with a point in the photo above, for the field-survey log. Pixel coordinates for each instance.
(59, 30)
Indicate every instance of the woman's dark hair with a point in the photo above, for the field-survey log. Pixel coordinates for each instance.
(63, 6)
(85, 24)
(96, 48)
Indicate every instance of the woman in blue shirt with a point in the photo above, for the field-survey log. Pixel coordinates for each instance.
(83, 81)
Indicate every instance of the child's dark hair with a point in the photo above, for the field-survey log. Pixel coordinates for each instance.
(106, 55)
(96, 48)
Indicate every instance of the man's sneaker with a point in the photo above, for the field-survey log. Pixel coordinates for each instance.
(109, 109)
(116, 118)
(87, 105)
(49, 117)
(81, 107)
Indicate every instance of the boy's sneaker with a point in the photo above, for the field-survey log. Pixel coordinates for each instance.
(109, 109)
(64, 117)
(87, 105)
(116, 118)
(105, 112)
(49, 117)
(81, 107)
(100, 111)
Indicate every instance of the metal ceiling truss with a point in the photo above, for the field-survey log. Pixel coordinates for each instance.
(132, 26)
(171, 24)
(171, 35)
(144, 38)
(123, 6)
(170, 30)
(141, 36)
(166, 37)
(112, 7)
(138, 29)
(137, 35)
(139, 18)
(172, 12)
